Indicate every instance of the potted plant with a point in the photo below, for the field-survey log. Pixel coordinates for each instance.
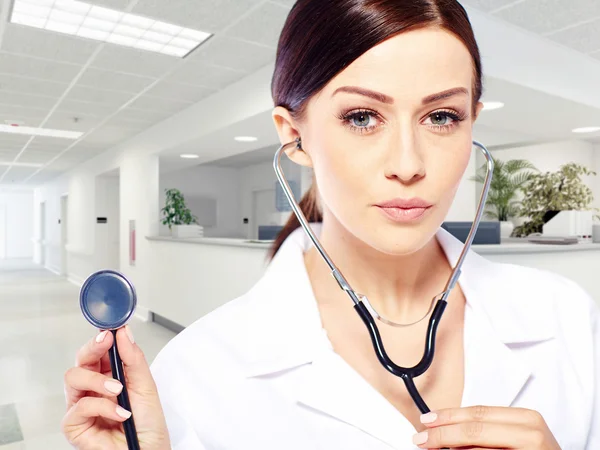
(549, 193)
(508, 179)
(178, 217)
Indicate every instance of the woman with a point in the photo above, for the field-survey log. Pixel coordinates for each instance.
(382, 95)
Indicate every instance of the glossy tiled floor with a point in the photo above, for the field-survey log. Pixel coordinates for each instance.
(41, 329)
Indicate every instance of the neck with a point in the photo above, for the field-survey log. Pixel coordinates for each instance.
(400, 288)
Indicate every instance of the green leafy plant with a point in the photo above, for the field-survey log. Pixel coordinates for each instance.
(508, 179)
(175, 212)
(551, 192)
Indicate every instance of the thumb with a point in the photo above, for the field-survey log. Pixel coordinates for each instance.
(137, 371)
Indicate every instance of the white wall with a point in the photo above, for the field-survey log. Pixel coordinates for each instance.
(218, 183)
(17, 241)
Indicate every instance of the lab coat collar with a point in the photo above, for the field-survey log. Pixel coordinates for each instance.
(495, 373)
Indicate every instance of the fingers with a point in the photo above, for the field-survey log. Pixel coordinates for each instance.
(91, 354)
(516, 416)
(475, 434)
(90, 407)
(80, 381)
(139, 377)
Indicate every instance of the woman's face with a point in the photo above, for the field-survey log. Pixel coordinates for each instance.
(395, 124)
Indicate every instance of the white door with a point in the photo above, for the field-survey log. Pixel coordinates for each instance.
(263, 203)
(2, 231)
(64, 233)
(42, 233)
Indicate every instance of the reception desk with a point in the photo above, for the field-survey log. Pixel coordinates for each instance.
(191, 277)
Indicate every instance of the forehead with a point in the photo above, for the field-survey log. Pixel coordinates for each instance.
(410, 66)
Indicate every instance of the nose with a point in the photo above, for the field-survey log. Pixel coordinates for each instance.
(404, 160)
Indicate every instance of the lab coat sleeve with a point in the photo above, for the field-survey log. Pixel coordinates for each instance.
(181, 433)
(594, 436)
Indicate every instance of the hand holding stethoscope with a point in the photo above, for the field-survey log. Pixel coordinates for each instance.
(111, 378)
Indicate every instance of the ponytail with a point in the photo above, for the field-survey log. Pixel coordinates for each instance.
(310, 207)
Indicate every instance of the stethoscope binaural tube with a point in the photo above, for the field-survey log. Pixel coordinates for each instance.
(407, 374)
(108, 301)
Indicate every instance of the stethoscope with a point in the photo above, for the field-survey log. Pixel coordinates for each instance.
(108, 300)
(361, 304)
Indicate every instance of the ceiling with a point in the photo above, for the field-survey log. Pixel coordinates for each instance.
(112, 93)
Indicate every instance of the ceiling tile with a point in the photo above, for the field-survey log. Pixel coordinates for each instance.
(159, 104)
(85, 108)
(140, 116)
(20, 84)
(544, 16)
(104, 79)
(113, 4)
(585, 38)
(202, 74)
(38, 68)
(13, 139)
(44, 176)
(36, 157)
(28, 115)
(32, 101)
(133, 61)
(288, 3)
(88, 94)
(110, 135)
(262, 26)
(181, 92)
(234, 54)
(64, 121)
(203, 15)
(18, 174)
(484, 5)
(46, 44)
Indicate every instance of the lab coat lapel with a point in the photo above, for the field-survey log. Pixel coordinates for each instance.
(496, 369)
(329, 385)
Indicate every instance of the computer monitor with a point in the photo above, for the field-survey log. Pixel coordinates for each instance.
(487, 233)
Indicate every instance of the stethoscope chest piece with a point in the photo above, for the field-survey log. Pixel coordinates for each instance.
(107, 300)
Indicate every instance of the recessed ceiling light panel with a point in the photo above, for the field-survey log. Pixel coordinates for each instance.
(31, 131)
(586, 130)
(189, 156)
(246, 138)
(490, 106)
(107, 25)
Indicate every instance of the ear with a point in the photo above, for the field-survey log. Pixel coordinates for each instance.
(288, 131)
(478, 109)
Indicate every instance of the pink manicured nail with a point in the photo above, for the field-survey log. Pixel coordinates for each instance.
(429, 418)
(421, 438)
(113, 386)
(129, 334)
(123, 413)
(101, 336)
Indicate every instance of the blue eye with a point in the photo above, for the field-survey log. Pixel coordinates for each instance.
(361, 119)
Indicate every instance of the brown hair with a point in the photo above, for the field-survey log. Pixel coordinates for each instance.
(322, 37)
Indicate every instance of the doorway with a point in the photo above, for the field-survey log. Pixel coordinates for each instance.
(2, 231)
(263, 207)
(42, 226)
(107, 235)
(64, 233)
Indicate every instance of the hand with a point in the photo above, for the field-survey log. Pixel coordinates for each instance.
(93, 419)
(483, 427)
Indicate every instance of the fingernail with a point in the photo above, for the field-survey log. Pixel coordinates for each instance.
(123, 413)
(420, 438)
(429, 418)
(101, 336)
(113, 386)
(129, 334)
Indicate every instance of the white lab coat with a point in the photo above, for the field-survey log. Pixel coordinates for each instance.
(259, 372)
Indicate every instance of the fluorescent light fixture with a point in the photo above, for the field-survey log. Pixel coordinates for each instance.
(586, 130)
(107, 25)
(246, 138)
(189, 156)
(30, 131)
(489, 106)
(18, 164)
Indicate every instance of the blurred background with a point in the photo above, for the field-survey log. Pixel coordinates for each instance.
(136, 135)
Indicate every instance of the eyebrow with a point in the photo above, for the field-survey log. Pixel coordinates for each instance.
(382, 98)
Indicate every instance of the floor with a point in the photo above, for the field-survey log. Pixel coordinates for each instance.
(41, 329)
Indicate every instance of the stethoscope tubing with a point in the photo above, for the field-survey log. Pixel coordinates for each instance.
(407, 374)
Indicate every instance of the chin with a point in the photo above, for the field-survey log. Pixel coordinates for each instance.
(401, 241)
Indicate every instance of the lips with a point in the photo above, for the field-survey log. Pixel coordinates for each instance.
(401, 210)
